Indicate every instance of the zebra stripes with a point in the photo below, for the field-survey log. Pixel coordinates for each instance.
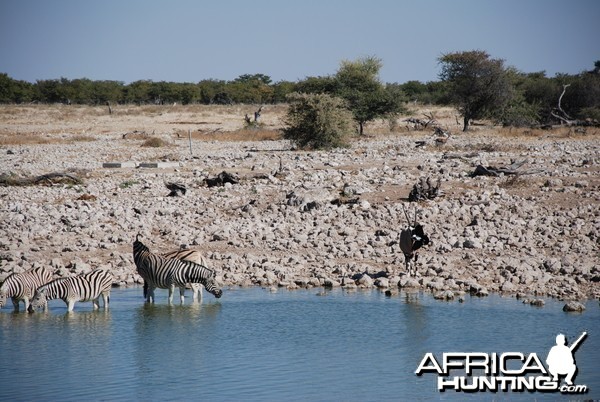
(194, 256)
(166, 273)
(82, 288)
(22, 286)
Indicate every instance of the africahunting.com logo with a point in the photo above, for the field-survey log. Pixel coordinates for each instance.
(509, 371)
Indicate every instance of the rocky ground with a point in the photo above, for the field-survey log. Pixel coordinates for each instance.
(297, 218)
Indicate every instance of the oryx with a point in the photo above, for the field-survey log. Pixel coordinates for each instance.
(412, 238)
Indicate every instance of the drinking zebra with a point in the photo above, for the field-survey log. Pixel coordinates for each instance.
(168, 273)
(82, 288)
(22, 286)
(194, 256)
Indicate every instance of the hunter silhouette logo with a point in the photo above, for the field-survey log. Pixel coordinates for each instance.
(560, 358)
(508, 371)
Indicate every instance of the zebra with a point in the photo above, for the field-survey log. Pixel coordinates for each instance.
(168, 273)
(82, 288)
(186, 254)
(22, 286)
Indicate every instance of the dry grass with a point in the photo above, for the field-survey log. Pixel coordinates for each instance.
(28, 139)
(514, 181)
(260, 134)
(60, 124)
(154, 142)
(39, 139)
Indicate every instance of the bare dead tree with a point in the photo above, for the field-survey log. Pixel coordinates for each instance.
(250, 121)
(559, 113)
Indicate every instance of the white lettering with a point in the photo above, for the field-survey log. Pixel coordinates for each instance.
(472, 362)
(423, 367)
(504, 357)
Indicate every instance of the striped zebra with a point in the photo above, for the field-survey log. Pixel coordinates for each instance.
(168, 273)
(186, 254)
(82, 288)
(22, 286)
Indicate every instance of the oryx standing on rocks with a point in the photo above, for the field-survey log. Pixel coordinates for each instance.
(411, 239)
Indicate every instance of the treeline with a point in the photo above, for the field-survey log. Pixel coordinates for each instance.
(534, 95)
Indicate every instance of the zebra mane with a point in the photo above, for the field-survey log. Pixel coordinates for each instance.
(140, 244)
(9, 276)
(191, 264)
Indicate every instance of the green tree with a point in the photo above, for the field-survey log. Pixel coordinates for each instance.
(7, 85)
(358, 83)
(281, 89)
(477, 83)
(317, 121)
(317, 85)
(254, 78)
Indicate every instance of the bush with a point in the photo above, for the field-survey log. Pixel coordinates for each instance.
(154, 142)
(317, 121)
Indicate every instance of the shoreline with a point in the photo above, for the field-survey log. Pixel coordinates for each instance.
(535, 235)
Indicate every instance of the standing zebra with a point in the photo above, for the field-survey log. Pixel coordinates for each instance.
(194, 256)
(165, 273)
(82, 288)
(22, 286)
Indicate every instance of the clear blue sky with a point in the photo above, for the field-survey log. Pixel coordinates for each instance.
(187, 40)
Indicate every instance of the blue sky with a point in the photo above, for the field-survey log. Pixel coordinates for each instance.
(187, 41)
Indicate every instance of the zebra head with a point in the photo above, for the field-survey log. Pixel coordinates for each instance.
(210, 284)
(4, 289)
(40, 299)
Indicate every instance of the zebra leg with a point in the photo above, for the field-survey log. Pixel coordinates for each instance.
(171, 291)
(182, 294)
(149, 294)
(26, 302)
(96, 303)
(70, 305)
(106, 299)
(15, 302)
(197, 292)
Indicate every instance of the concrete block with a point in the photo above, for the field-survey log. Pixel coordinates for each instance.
(159, 165)
(116, 165)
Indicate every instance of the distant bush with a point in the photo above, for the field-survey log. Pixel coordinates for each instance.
(318, 121)
(154, 142)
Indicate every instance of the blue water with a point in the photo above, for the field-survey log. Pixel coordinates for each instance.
(290, 345)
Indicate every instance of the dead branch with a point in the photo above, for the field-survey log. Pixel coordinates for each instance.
(221, 179)
(177, 189)
(512, 169)
(48, 179)
(424, 190)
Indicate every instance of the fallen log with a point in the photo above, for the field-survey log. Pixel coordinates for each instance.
(512, 169)
(48, 179)
(221, 179)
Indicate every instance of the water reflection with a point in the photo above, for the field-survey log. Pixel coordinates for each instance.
(170, 339)
(257, 345)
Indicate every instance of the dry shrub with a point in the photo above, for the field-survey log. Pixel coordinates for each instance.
(27, 139)
(154, 142)
(514, 181)
(83, 138)
(238, 135)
